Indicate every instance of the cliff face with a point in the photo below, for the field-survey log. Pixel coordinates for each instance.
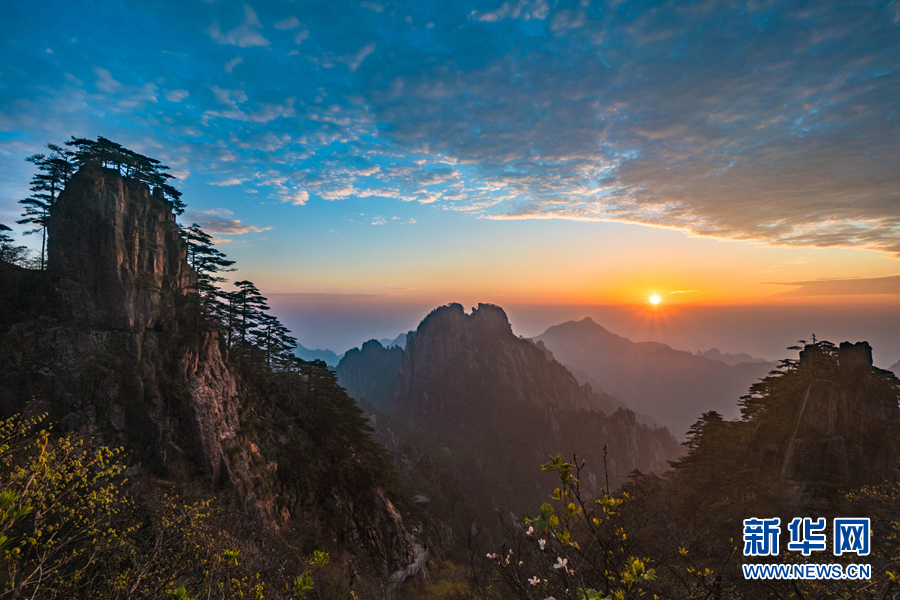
(370, 374)
(115, 253)
(107, 353)
(117, 351)
(846, 422)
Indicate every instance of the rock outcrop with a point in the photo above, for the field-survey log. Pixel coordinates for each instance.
(115, 253)
(846, 422)
(370, 374)
(107, 354)
(117, 350)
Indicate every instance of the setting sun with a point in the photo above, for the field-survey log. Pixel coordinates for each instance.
(654, 299)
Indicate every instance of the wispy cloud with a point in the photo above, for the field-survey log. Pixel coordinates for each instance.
(216, 222)
(245, 35)
(841, 287)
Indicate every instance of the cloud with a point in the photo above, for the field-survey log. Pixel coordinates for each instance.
(229, 97)
(126, 96)
(338, 193)
(289, 23)
(782, 132)
(355, 59)
(245, 35)
(217, 222)
(299, 198)
(841, 287)
(516, 10)
(229, 181)
(177, 95)
(231, 64)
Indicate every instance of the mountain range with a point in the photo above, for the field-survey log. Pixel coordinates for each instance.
(672, 386)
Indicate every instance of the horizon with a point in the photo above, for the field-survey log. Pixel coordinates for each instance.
(377, 160)
(761, 331)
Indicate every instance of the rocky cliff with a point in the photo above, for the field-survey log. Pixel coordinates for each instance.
(110, 343)
(370, 374)
(107, 353)
(845, 422)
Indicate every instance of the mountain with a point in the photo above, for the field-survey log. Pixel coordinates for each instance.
(327, 356)
(732, 359)
(110, 343)
(495, 406)
(399, 341)
(671, 386)
(816, 428)
(370, 374)
(895, 367)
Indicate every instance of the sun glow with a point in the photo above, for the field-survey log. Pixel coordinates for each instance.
(655, 299)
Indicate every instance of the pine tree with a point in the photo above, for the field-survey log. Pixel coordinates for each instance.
(208, 262)
(53, 173)
(249, 306)
(128, 163)
(276, 343)
(9, 252)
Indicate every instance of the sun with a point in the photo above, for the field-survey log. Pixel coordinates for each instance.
(654, 299)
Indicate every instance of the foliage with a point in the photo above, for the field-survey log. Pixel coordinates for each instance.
(54, 171)
(575, 547)
(106, 153)
(9, 251)
(68, 528)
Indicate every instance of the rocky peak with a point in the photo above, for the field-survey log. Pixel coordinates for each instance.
(115, 252)
(490, 317)
(370, 374)
(846, 421)
(472, 350)
(855, 356)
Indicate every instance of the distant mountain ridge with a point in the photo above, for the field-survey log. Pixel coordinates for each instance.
(327, 356)
(895, 368)
(399, 341)
(732, 359)
(671, 386)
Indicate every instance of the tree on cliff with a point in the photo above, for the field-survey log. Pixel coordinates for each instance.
(276, 342)
(208, 261)
(54, 171)
(249, 307)
(111, 155)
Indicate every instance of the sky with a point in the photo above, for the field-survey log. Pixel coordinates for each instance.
(367, 161)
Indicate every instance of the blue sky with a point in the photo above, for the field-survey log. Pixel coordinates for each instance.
(367, 149)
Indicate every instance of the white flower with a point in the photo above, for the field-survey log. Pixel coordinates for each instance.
(534, 580)
(521, 563)
(489, 555)
(561, 563)
(542, 542)
(530, 530)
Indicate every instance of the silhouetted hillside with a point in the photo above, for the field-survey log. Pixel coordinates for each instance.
(327, 356)
(669, 385)
(482, 400)
(731, 359)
